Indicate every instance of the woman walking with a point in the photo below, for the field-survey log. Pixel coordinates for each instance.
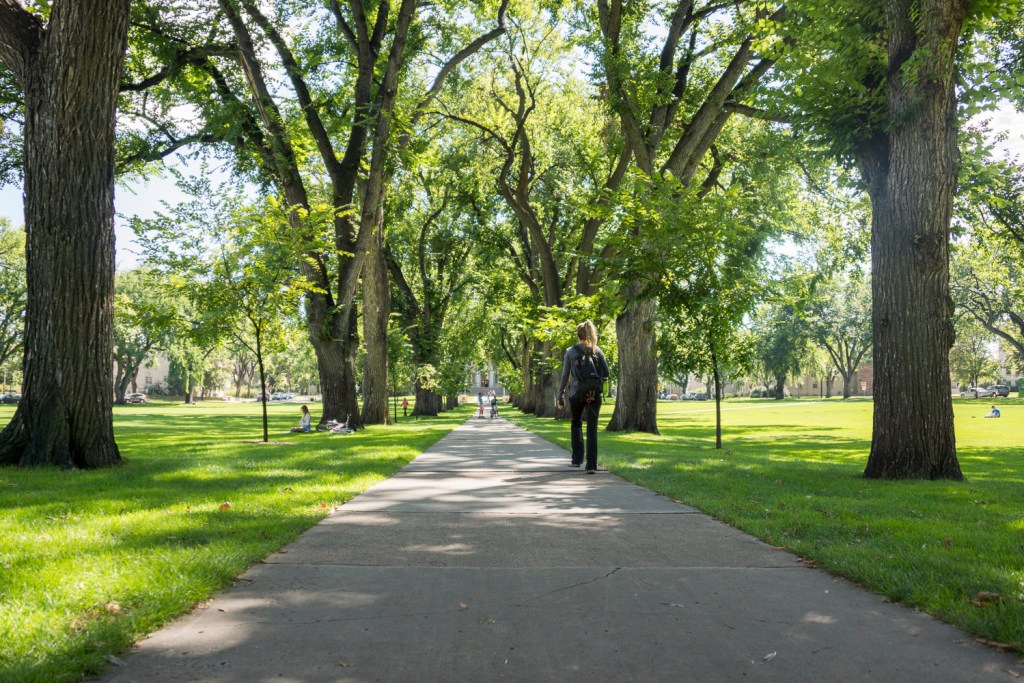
(584, 370)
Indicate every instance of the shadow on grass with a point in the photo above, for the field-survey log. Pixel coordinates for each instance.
(150, 537)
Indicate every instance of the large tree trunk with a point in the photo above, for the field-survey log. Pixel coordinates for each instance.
(121, 386)
(70, 75)
(545, 384)
(847, 385)
(336, 367)
(376, 309)
(912, 185)
(527, 400)
(636, 405)
(780, 387)
(428, 402)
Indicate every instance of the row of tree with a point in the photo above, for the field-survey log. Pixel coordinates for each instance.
(546, 160)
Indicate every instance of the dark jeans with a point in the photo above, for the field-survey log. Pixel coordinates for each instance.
(590, 411)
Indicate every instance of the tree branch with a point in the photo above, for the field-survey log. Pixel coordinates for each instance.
(20, 35)
(191, 57)
(312, 116)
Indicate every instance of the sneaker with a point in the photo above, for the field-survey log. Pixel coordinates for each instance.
(591, 471)
(574, 464)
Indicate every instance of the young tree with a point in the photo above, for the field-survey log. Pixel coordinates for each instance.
(781, 343)
(840, 320)
(67, 59)
(970, 359)
(237, 262)
(145, 318)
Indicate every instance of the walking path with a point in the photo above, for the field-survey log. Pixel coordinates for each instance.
(488, 559)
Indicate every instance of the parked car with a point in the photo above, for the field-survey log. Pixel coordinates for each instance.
(135, 398)
(1000, 390)
(977, 392)
(10, 398)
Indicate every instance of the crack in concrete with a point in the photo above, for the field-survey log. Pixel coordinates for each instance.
(565, 588)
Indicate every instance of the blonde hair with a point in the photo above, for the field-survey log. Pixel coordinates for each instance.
(586, 332)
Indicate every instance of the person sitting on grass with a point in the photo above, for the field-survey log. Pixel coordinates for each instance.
(305, 422)
(994, 413)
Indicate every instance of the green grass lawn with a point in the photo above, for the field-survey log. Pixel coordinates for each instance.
(92, 561)
(790, 474)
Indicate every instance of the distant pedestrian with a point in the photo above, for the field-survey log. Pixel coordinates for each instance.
(584, 370)
(405, 407)
(995, 412)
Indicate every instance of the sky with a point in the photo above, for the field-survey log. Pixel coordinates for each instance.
(143, 199)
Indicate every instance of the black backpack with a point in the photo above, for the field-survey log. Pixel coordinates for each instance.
(589, 384)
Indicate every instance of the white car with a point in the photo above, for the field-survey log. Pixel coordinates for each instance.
(977, 392)
(135, 398)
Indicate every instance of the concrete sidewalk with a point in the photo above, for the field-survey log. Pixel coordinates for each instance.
(487, 559)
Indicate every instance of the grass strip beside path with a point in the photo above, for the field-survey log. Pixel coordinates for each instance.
(91, 561)
(790, 474)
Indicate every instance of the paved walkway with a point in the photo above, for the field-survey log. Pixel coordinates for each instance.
(488, 559)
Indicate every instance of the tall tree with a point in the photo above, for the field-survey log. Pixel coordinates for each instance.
(910, 170)
(556, 187)
(970, 359)
(672, 106)
(68, 63)
(327, 150)
(878, 84)
(428, 251)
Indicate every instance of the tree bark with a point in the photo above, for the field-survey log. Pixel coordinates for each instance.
(376, 309)
(912, 184)
(336, 342)
(70, 72)
(636, 405)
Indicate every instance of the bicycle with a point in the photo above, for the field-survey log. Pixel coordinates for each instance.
(335, 427)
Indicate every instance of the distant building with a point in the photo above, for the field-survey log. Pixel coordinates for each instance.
(484, 380)
(152, 372)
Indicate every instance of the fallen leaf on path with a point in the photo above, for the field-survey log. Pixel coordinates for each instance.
(463, 605)
(770, 656)
(1012, 673)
